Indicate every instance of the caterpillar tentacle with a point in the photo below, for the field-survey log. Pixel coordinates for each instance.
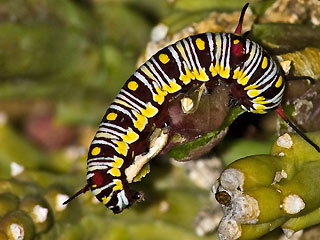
(255, 81)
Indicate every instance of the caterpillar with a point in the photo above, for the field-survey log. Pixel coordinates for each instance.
(255, 81)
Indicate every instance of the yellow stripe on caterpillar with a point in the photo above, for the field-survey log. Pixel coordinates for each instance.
(150, 111)
(130, 136)
(118, 185)
(122, 148)
(141, 122)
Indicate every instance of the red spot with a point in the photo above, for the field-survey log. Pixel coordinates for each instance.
(237, 49)
(97, 179)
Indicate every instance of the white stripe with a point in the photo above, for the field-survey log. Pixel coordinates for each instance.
(89, 175)
(103, 142)
(224, 49)
(218, 46)
(110, 125)
(254, 63)
(176, 58)
(99, 190)
(154, 73)
(270, 73)
(251, 61)
(140, 77)
(228, 52)
(210, 40)
(278, 97)
(182, 51)
(94, 168)
(163, 73)
(122, 200)
(129, 102)
(99, 159)
(108, 130)
(100, 164)
(195, 54)
(266, 87)
(187, 47)
(133, 97)
(121, 109)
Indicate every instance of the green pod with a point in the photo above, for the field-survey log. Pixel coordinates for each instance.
(8, 203)
(55, 196)
(269, 201)
(18, 225)
(254, 231)
(302, 222)
(40, 212)
(295, 151)
(15, 149)
(257, 170)
(18, 188)
(301, 193)
(279, 43)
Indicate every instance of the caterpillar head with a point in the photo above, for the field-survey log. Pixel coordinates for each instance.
(114, 193)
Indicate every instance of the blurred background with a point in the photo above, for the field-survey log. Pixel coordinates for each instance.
(61, 64)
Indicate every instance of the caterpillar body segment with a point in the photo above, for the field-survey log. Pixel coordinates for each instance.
(253, 77)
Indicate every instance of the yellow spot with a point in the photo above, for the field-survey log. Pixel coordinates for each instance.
(241, 76)
(217, 67)
(259, 107)
(122, 148)
(105, 200)
(117, 163)
(200, 75)
(200, 44)
(253, 93)
(150, 111)
(132, 85)
(251, 87)
(94, 185)
(186, 78)
(259, 111)
(213, 71)
(112, 116)
(164, 58)
(236, 41)
(115, 172)
(95, 151)
(259, 99)
(224, 72)
(264, 102)
(130, 137)
(172, 87)
(279, 82)
(159, 97)
(264, 63)
(118, 185)
(141, 122)
(243, 81)
(236, 73)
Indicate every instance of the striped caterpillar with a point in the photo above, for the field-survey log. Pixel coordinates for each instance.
(255, 81)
